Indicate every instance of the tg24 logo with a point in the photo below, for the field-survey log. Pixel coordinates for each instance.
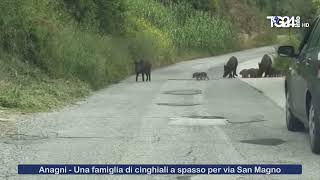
(286, 21)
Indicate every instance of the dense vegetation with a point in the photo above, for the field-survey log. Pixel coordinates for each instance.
(53, 52)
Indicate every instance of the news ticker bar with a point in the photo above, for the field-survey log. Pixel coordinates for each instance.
(158, 169)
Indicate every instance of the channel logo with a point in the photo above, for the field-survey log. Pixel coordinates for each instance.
(286, 22)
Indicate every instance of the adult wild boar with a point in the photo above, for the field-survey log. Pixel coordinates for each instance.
(144, 68)
(265, 66)
(231, 67)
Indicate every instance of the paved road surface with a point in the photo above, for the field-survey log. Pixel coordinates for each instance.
(152, 122)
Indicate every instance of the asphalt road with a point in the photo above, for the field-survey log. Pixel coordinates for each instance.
(172, 120)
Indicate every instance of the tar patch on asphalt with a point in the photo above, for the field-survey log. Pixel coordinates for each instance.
(184, 177)
(22, 138)
(265, 142)
(245, 122)
(180, 79)
(204, 117)
(184, 92)
(28, 139)
(178, 104)
(183, 121)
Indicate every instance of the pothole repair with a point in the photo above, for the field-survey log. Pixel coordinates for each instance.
(178, 104)
(183, 121)
(184, 92)
(205, 117)
(221, 117)
(184, 177)
(24, 137)
(265, 142)
(27, 139)
(180, 79)
(245, 122)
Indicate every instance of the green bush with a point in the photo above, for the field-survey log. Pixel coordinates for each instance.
(106, 15)
(149, 42)
(90, 57)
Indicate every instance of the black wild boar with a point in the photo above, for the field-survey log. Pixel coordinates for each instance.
(144, 68)
(265, 66)
(244, 73)
(253, 73)
(231, 68)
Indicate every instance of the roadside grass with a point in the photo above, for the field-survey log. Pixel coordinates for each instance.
(27, 89)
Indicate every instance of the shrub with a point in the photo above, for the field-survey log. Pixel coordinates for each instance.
(146, 41)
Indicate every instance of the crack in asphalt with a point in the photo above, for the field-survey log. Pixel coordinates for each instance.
(189, 152)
